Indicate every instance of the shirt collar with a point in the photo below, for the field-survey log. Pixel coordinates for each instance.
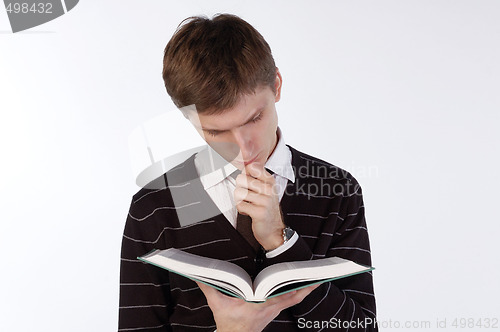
(213, 168)
(280, 161)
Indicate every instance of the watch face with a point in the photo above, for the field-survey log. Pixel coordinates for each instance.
(288, 233)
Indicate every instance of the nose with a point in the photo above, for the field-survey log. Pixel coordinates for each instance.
(244, 141)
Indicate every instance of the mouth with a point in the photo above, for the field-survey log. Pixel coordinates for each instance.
(250, 161)
(245, 163)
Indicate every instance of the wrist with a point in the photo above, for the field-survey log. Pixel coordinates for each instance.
(286, 234)
(275, 240)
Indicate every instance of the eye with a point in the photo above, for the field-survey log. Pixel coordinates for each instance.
(257, 118)
(212, 133)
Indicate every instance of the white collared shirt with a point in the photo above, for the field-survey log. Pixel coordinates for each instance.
(214, 174)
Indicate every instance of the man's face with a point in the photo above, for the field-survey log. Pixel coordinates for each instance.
(245, 133)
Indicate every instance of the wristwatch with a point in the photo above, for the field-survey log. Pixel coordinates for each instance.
(287, 234)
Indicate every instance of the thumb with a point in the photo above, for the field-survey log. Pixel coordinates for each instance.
(205, 288)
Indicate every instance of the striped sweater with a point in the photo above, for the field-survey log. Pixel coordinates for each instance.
(324, 206)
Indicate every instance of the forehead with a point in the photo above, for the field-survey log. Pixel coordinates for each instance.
(247, 107)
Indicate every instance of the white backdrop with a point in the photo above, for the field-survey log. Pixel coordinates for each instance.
(404, 94)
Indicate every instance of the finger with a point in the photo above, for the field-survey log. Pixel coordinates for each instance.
(303, 293)
(258, 171)
(210, 292)
(282, 302)
(249, 209)
(215, 298)
(245, 195)
(292, 298)
(253, 184)
(207, 290)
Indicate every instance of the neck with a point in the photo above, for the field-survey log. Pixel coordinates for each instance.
(276, 139)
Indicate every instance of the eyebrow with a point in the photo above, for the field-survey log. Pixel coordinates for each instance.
(259, 110)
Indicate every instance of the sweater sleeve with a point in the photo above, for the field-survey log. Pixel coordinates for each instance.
(347, 304)
(144, 290)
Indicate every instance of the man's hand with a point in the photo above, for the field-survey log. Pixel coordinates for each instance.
(255, 195)
(233, 314)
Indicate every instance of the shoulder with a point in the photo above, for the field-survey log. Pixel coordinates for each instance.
(315, 171)
(159, 189)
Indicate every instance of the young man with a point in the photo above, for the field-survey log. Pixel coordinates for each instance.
(269, 203)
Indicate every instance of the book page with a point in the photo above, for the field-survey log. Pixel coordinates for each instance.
(220, 285)
(193, 265)
(283, 274)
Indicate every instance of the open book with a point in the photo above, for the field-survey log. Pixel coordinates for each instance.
(272, 281)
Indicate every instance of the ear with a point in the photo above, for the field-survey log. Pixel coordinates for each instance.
(278, 84)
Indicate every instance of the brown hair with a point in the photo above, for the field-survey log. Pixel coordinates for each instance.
(211, 62)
